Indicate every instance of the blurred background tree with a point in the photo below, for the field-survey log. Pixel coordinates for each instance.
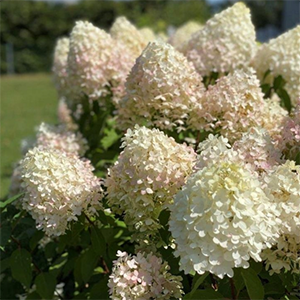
(32, 27)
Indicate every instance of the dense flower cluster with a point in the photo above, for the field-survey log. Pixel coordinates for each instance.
(182, 35)
(97, 64)
(161, 89)
(143, 277)
(58, 137)
(283, 187)
(281, 57)
(60, 60)
(58, 187)
(226, 42)
(274, 116)
(125, 32)
(221, 218)
(258, 149)
(149, 171)
(148, 34)
(231, 106)
(289, 141)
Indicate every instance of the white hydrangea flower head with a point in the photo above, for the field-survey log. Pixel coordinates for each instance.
(226, 42)
(142, 277)
(283, 187)
(58, 137)
(58, 187)
(231, 106)
(64, 115)
(161, 89)
(150, 170)
(27, 144)
(212, 149)
(289, 142)
(281, 56)
(274, 115)
(221, 218)
(96, 64)
(59, 67)
(125, 32)
(180, 38)
(258, 149)
(148, 34)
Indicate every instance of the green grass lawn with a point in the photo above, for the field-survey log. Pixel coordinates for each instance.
(26, 101)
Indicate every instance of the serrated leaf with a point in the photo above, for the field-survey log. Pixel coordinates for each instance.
(45, 285)
(238, 279)
(253, 284)
(98, 241)
(88, 263)
(5, 235)
(20, 264)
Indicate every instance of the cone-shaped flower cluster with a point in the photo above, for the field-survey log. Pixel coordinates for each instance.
(226, 42)
(58, 137)
(283, 187)
(258, 149)
(282, 58)
(182, 35)
(149, 171)
(143, 276)
(222, 217)
(96, 65)
(161, 89)
(58, 187)
(231, 106)
(125, 32)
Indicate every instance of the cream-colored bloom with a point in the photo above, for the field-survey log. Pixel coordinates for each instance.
(59, 67)
(231, 106)
(258, 149)
(221, 218)
(58, 137)
(182, 35)
(64, 115)
(226, 42)
(149, 171)
(125, 32)
(161, 89)
(58, 187)
(97, 64)
(148, 34)
(143, 277)
(283, 187)
(281, 56)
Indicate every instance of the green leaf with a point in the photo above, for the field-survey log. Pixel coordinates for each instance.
(45, 285)
(3, 204)
(100, 290)
(297, 159)
(38, 235)
(238, 279)
(5, 235)
(285, 99)
(253, 284)
(278, 83)
(204, 294)
(164, 217)
(98, 241)
(4, 264)
(20, 264)
(197, 281)
(88, 263)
